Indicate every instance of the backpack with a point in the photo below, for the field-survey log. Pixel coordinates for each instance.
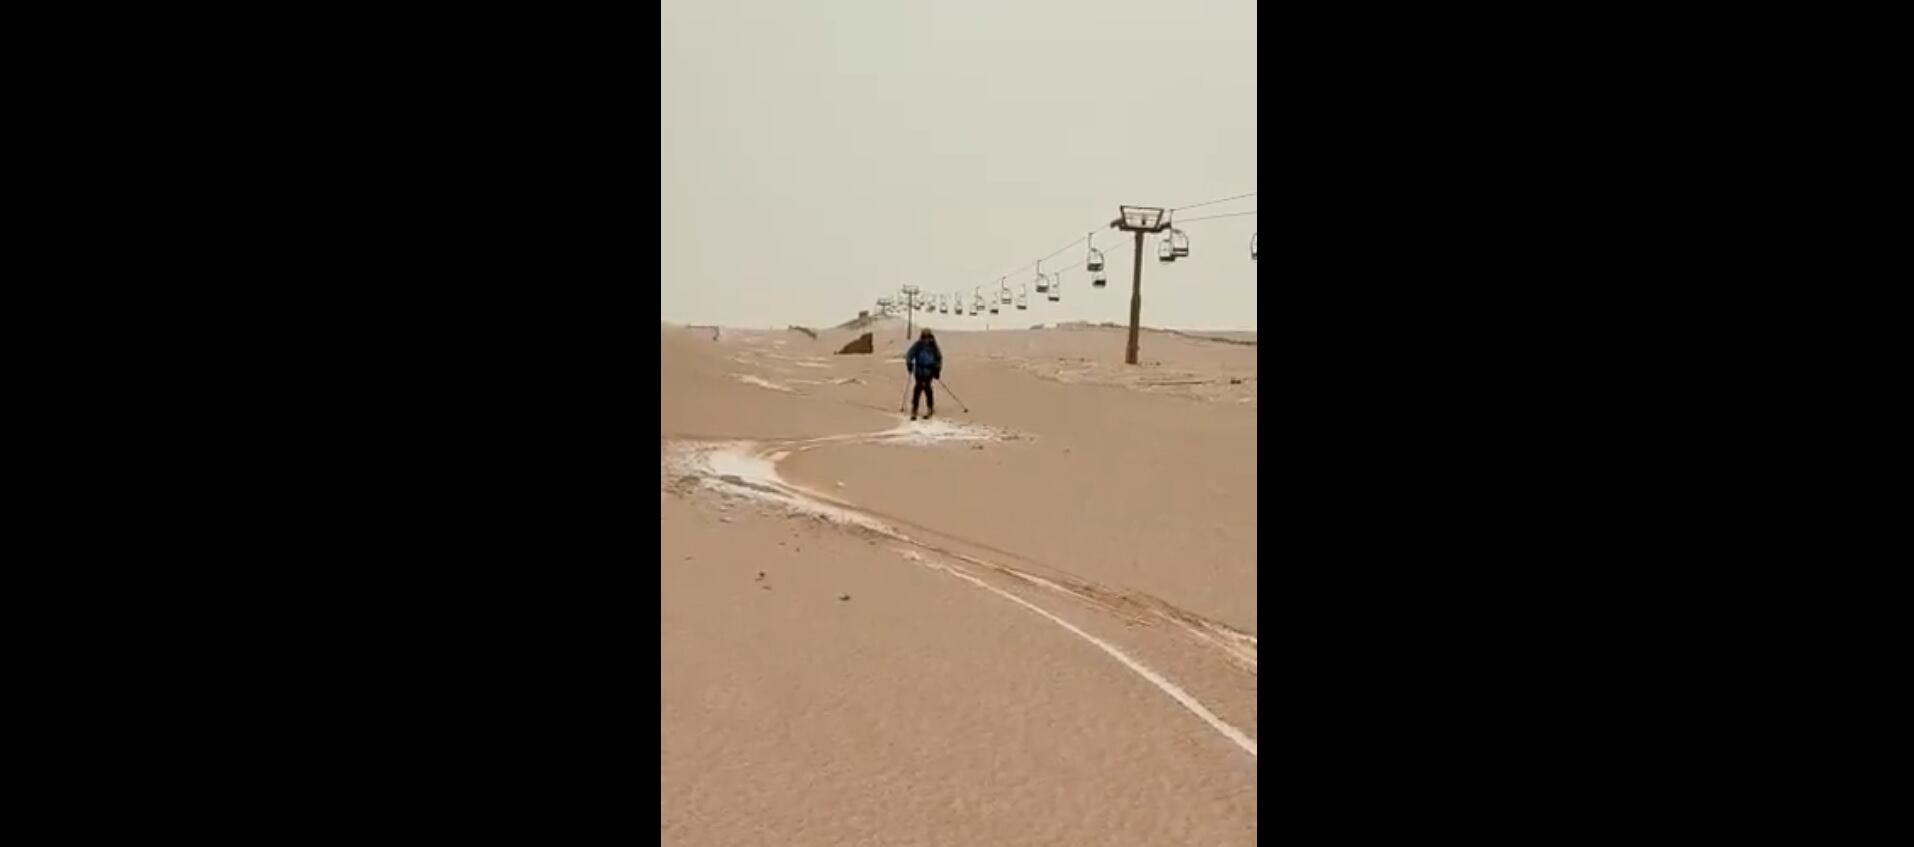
(926, 359)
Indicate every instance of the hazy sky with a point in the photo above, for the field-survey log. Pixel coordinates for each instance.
(817, 154)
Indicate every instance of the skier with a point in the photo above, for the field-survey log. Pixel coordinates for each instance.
(925, 362)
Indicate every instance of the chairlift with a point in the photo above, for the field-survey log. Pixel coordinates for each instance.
(1164, 252)
(1023, 297)
(943, 305)
(1176, 241)
(1056, 289)
(1003, 292)
(1043, 282)
(1097, 280)
(1252, 247)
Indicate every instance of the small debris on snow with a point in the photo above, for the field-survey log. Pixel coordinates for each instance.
(843, 596)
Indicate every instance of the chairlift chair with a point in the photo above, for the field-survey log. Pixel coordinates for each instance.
(1252, 247)
(1097, 280)
(1164, 252)
(1179, 243)
(1023, 297)
(1056, 289)
(1094, 262)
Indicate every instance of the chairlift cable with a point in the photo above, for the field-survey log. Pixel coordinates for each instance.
(1211, 202)
(1213, 217)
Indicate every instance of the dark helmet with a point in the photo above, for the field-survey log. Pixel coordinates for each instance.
(926, 334)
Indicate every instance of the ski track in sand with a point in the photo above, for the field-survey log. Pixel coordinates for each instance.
(750, 468)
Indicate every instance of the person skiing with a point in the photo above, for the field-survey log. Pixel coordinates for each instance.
(925, 362)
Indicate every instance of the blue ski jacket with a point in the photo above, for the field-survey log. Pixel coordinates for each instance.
(924, 360)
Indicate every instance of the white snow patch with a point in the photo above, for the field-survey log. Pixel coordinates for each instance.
(761, 382)
(735, 469)
(938, 431)
(741, 463)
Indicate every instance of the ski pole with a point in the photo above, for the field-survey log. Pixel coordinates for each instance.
(953, 395)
